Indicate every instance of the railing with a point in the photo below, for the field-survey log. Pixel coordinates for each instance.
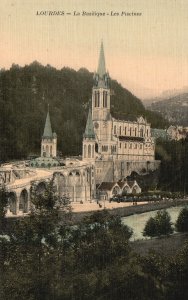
(27, 183)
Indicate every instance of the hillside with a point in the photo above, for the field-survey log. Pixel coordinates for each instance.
(174, 109)
(25, 93)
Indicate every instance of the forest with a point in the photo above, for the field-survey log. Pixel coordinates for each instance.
(174, 165)
(25, 93)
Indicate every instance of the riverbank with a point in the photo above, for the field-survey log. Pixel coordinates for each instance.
(165, 245)
(128, 210)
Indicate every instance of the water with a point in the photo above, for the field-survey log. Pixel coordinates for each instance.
(137, 222)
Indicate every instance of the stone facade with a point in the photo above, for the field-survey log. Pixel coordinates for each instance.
(121, 145)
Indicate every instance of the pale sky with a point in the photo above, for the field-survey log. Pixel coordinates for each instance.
(147, 54)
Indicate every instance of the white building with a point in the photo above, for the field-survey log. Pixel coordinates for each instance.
(108, 139)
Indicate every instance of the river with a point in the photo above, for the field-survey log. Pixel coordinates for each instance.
(137, 221)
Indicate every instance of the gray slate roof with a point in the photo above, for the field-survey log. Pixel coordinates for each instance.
(101, 65)
(89, 131)
(48, 128)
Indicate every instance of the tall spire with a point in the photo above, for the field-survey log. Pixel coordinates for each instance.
(48, 128)
(101, 65)
(89, 131)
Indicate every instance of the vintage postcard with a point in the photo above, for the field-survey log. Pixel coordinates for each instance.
(93, 149)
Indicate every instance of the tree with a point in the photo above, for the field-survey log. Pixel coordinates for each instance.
(30, 256)
(3, 208)
(182, 220)
(159, 225)
(164, 225)
(150, 228)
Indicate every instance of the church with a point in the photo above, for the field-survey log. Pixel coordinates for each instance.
(115, 146)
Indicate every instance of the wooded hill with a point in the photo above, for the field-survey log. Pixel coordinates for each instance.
(25, 93)
(174, 109)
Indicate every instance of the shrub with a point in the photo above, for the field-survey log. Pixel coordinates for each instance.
(159, 225)
(182, 221)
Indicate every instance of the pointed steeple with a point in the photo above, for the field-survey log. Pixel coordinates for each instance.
(48, 128)
(89, 131)
(101, 71)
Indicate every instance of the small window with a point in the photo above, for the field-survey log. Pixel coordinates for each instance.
(141, 132)
(125, 145)
(120, 145)
(114, 129)
(130, 146)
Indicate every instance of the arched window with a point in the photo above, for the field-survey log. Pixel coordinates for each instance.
(89, 151)
(47, 150)
(114, 129)
(85, 151)
(98, 99)
(95, 98)
(141, 132)
(125, 130)
(135, 131)
(147, 132)
(104, 99)
(120, 130)
(93, 151)
(50, 150)
(130, 131)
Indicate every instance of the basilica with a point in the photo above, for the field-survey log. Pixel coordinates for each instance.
(115, 146)
(112, 148)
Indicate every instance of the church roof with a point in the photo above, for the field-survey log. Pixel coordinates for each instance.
(44, 162)
(101, 65)
(89, 131)
(123, 117)
(131, 138)
(48, 128)
(106, 186)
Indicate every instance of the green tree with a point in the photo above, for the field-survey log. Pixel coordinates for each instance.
(182, 220)
(150, 228)
(159, 225)
(164, 224)
(3, 208)
(30, 255)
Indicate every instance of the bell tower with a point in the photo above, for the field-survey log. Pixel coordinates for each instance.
(101, 91)
(49, 139)
(88, 150)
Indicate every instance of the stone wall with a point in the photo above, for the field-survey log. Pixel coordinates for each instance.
(114, 170)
